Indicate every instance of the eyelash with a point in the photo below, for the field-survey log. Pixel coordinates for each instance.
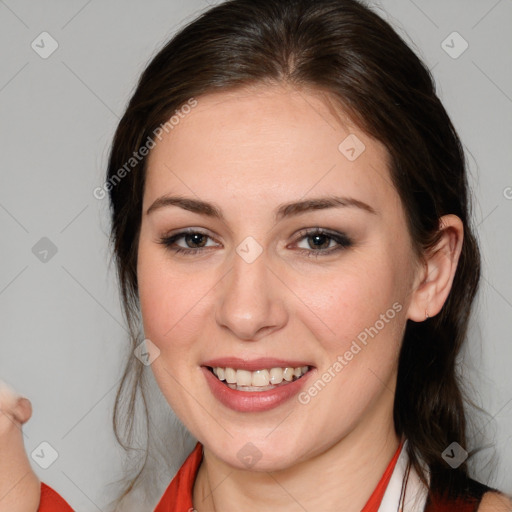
(341, 239)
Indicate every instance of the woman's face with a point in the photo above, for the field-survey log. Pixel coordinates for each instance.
(259, 171)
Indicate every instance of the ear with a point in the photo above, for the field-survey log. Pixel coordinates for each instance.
(434, 279)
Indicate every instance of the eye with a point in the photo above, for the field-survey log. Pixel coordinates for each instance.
(195, 241)
(320, 242)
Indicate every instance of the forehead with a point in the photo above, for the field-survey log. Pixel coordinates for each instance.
(271, 141)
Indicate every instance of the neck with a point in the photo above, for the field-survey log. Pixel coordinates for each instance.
(344, 475)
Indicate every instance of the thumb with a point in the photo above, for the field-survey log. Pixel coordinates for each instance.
(22, 410)
(13, 404)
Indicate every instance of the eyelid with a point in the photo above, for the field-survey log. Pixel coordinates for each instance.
(341, 240)
(172, 236)
(320, 231)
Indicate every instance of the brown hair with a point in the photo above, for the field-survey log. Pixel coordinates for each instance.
(343, 48)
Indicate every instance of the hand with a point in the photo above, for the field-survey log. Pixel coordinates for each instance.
(20, 488)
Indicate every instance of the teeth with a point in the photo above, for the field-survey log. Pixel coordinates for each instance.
(276, 376)
(243, 378)
(259, 379)
(230, 375)
(288, 374)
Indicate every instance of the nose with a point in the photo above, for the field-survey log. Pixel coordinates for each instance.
(251, 303)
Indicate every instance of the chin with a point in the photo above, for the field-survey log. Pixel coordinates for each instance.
(259, 452)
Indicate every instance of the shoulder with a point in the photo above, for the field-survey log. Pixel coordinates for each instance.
(494, 501)
(476, 497)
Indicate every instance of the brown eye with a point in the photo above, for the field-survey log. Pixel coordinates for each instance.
(321, 242)
(194, 242)
(195, 239)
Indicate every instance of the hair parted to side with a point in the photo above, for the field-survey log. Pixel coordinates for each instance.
(344, 49)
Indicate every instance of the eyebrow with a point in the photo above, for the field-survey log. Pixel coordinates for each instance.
(284, 210)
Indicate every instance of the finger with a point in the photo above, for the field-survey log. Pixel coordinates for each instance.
(13, 404)
(23, 410)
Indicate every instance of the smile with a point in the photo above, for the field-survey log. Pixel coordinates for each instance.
(256, 385)
(259, 380)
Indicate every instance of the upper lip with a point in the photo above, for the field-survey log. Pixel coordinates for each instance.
(254, 364)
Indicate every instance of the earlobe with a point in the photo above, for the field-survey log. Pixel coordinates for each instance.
(438, 271)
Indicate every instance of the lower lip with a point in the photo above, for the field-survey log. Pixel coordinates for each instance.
(253, 401)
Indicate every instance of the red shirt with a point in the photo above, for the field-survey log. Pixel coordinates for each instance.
(51, 501)
(178, 496)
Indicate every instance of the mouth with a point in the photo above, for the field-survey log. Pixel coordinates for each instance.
(264, 379)
(256, 385)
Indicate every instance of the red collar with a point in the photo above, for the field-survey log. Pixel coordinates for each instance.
(373, 504)
(178, 496)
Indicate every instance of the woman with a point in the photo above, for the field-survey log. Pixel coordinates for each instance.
(290, 216)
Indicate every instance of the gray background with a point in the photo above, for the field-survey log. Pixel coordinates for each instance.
(62, 331)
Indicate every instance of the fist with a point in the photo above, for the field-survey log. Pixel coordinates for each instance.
(20, 488)
(14, 406)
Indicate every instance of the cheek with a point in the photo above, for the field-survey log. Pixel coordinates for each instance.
(170, 305)
(167, 299)
(155, 293)
(362, 320)
(352, 298)
(175, 302)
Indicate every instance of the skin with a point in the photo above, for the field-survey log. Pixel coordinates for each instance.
(248, 151)
(19, 485)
